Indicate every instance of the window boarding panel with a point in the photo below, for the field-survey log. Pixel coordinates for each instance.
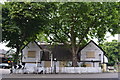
(31, 54)
(90, 54)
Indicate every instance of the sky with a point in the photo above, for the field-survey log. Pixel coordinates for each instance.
(108, 37)
(2, 1)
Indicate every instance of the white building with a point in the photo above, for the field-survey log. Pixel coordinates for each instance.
(47, 56)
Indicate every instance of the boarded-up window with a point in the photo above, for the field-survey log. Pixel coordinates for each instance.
(90, 54)
(88, 65)
(31, 54)
(47, 64)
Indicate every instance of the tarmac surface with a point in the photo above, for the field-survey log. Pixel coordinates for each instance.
(5, 75)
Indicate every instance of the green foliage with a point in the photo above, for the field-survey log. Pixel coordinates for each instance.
(112, 51)
(85, 19)
(22, 22)
(70, 23)
(0, 22)
(42, 37)
(76, 23)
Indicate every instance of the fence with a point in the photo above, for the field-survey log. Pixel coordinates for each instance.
(74, 70)
(60, 70)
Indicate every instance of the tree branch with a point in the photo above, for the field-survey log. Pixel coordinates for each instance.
(93, 24)
(66, 33)
(82, 38)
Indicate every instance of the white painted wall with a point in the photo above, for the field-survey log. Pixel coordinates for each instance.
(32, 46)
(75, 70)
(59, 69)
(92, 47)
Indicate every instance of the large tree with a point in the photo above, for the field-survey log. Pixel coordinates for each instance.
(112, 51)
(75, 23)
(22, 21)
(0, 22)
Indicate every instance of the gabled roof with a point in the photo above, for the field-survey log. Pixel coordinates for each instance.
(37, 44)
(93, 43)
(34, 42)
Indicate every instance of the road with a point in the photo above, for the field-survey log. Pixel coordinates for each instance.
(98, 76)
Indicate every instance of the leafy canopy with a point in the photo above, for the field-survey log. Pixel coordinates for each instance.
(76, 23)
(22, 21)
(83, 21)
(112, 51)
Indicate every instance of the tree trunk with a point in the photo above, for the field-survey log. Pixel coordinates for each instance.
(73, 43)
(74, 61)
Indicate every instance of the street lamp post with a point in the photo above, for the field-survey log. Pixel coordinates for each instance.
(55, 65)
(51, 61)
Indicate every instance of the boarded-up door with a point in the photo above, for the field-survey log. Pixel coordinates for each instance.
(47, 64)
(88, 65)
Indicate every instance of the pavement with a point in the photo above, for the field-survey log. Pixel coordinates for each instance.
(98, 75)
(93, 76)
